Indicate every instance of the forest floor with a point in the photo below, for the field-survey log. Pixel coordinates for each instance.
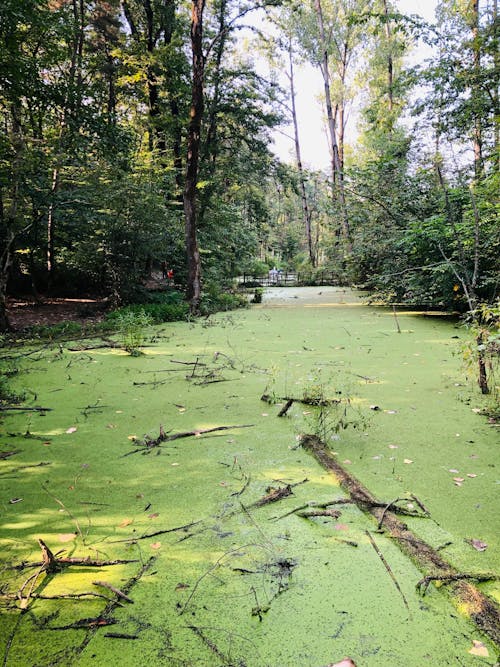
(189, 527)
(24, 312)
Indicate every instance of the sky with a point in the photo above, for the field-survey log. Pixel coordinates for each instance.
(309, 85)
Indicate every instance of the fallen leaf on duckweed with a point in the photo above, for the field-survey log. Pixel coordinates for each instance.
(265, 414)
(453, 470)
(408, 461)
(156, 545)
(391, 412)
(458, 479)
(347, 462)
(471, 475)
(153, 516)
(479, 648)
(393, 446)
(66, 537)
(181, 586)
(478, 545)
(341, 526)
(71, 429)
(346, 662)
(110, 425)
(131, 437)
(13, 501)
(125, 522)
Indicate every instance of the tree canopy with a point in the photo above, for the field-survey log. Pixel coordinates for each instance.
(139, 132)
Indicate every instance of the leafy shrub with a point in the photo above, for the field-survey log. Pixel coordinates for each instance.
(132, 326)
(60, 330)
(157, 312)
(213, 302)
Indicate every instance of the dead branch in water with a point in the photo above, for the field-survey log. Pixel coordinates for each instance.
(149, 444)
(388, 568)
(482, 610)
(424, 583)
(321, 402)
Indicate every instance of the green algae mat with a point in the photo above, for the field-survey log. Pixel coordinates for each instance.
(157, 511)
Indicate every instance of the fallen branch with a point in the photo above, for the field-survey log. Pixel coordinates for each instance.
(6, 455)
(388, 568)
(482, 610)
(424, 583)
(148, 444)
(87, 624)
(147, 536)
(286, 407)
(113, 589)
(322, 402)
(308, 514)
(273, 495)
(20, 408)
(210, 644)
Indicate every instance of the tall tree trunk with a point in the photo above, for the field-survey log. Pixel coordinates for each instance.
(390, 65)
(303, 193)
(476, 92)
(337, 173)
(193, 156)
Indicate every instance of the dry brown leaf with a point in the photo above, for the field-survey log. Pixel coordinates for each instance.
(458, 479)
(181, 587)
(478, 648)
(346, 662)
(156, 545)
(478, 545)
(471, 475)
(153, 516)
(125, 522)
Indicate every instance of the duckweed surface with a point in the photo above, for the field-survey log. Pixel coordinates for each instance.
(218, 574)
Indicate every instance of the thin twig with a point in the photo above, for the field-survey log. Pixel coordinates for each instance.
(388, 568)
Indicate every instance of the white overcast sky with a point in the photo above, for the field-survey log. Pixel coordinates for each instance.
(310, 112)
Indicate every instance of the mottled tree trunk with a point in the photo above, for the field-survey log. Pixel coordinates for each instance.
(337, 173)
(303, 193)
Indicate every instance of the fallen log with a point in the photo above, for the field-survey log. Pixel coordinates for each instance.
(468, 598)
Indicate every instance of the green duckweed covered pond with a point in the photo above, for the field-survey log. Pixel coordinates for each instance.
(218, 575)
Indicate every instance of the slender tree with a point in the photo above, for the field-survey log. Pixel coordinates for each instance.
(193, 156)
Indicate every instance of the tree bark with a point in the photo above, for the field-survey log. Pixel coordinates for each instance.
(303, 193)
(337, 173)
(193, 156)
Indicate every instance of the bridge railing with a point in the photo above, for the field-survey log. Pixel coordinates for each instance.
(288, 279)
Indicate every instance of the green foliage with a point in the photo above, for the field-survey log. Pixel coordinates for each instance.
(213, 301)
(7, 394)
(67, 329)
(156, 313)
(132, 326)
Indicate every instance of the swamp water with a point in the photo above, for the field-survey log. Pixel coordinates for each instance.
(222, 576)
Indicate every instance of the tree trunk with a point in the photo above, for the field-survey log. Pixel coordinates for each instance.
(337, 173)
(390, 65)
(193, 157)
(477, 93)
(305, 204)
